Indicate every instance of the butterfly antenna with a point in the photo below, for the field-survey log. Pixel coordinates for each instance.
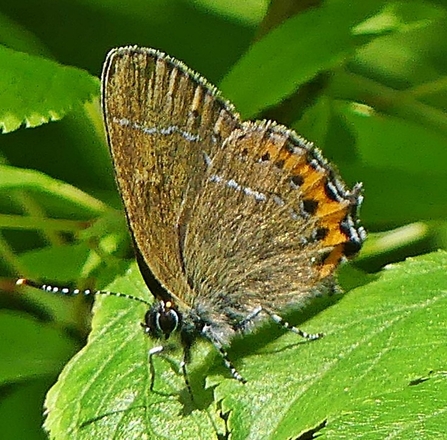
(73, 292)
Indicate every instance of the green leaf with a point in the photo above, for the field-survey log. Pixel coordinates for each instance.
(380, 338)
(384, 141)
(383, 346)
(104, 391)
(320, 39)
(277, 65)
(402, 17)
(16, 178)
(43, 350)
(62, 264)
(398, 197)
(249, 11)
(21, 410)
(35, 90)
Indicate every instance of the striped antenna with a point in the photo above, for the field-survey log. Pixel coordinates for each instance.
(73, 292)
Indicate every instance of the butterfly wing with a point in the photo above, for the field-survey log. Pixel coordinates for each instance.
(271, 222)
(163, 121)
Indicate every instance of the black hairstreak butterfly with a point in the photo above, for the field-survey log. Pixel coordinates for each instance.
(235, 221)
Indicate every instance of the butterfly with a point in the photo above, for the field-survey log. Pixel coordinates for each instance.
(232, 222)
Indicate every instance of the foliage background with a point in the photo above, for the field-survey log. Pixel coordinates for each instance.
(365, 80)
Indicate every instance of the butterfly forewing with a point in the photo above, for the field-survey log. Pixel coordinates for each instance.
(163, 123)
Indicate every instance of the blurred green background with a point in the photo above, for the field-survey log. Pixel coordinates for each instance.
(365, 81)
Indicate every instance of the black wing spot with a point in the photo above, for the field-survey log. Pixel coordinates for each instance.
(310, 206)
(297, 180)
(265, 157)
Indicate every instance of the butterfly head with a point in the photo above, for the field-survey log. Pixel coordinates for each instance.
(161, 320)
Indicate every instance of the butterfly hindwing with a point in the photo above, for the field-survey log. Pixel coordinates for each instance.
(266, 229)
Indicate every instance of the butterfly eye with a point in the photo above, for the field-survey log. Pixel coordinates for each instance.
(162, 320)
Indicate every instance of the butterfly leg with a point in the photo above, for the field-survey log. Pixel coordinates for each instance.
(242, 325)
(185, 361)
(208, 334)
(186, 358)
(153, 351)
(288, 326)
(258, 310)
